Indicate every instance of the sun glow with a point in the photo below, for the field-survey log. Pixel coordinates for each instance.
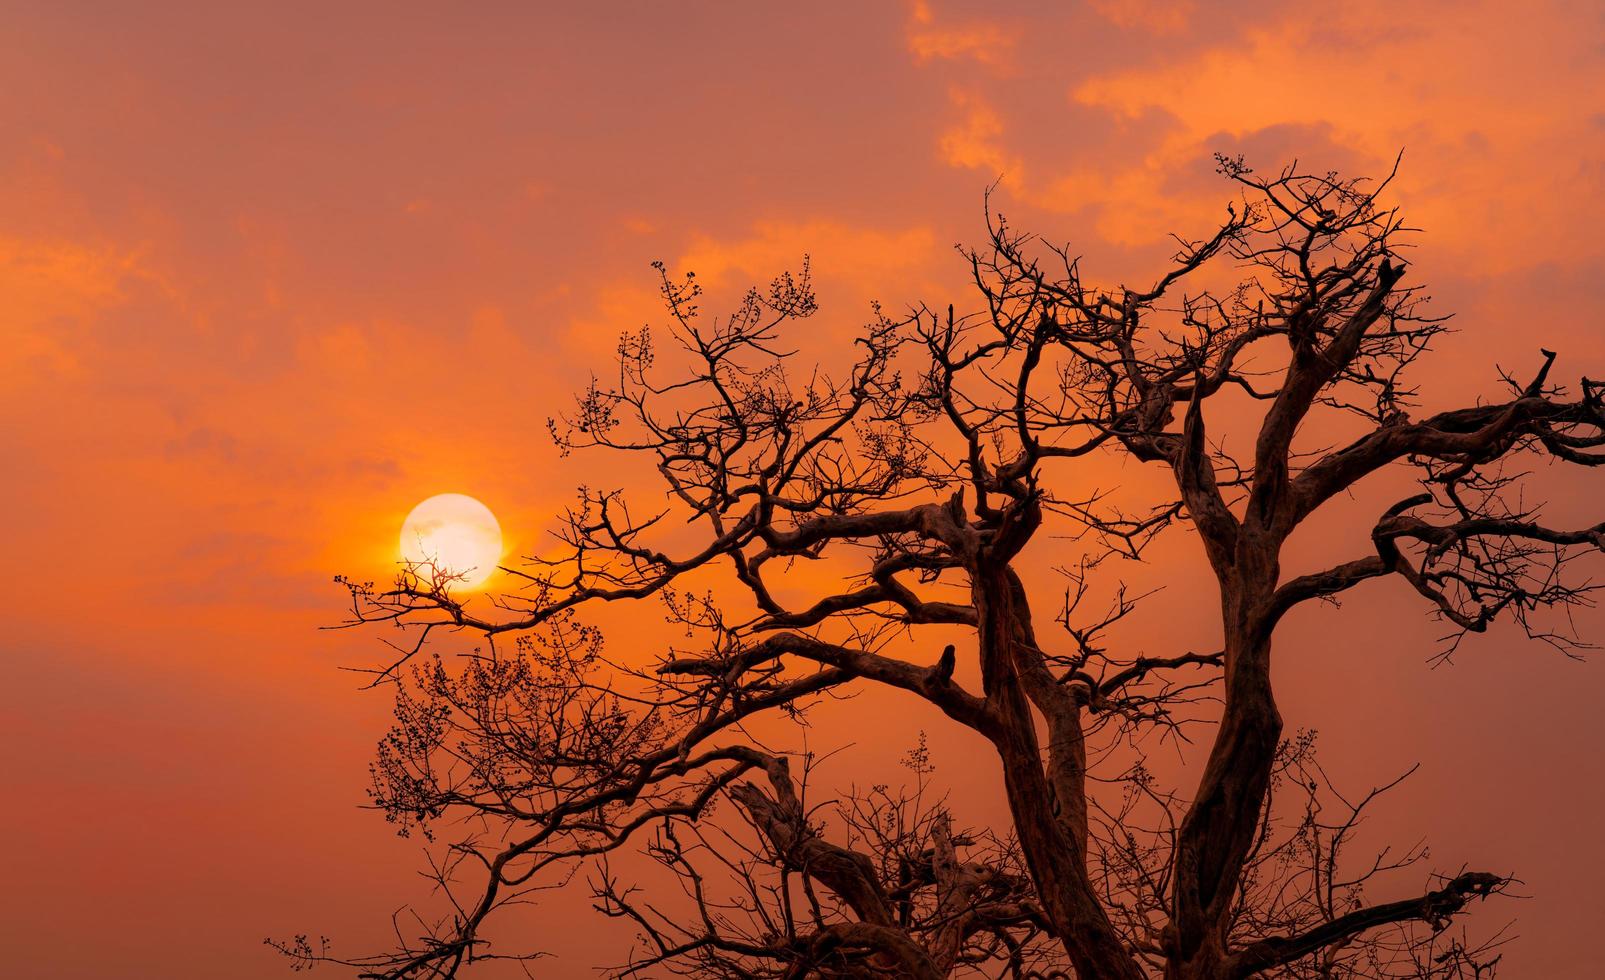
(455, 533)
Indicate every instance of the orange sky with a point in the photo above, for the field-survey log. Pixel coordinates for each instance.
(272, 277)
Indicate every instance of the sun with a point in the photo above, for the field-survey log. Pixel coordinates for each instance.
(455, 533)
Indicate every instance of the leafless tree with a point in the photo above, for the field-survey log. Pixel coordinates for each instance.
(925, 470)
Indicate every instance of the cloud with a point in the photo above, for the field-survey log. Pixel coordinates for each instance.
(1469, 94)
(976, 141)
(1497, 115)
(1156, 16)
(985, 42)
(54, 292)
(866, 257)
(988, 43)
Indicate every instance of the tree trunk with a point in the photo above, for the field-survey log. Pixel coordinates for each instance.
(1054, 852)
(1218, 831)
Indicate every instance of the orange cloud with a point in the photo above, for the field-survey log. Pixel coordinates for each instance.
(866, 258)
(1468, 93)
(976, 140)
(54, 292)
(988, 43)
(1158, 16)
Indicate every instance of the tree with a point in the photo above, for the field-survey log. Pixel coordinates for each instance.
(930, 466)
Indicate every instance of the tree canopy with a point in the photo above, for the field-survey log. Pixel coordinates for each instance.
(921, 471)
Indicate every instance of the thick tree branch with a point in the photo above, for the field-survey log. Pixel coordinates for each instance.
(1435, 908)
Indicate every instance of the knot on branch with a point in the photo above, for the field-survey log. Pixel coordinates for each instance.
(1439, 907)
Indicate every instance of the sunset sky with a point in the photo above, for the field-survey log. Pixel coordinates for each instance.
(272, 276)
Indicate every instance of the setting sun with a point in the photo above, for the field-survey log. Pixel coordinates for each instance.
(456, 533)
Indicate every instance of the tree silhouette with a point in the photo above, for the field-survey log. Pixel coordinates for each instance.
(925, 470)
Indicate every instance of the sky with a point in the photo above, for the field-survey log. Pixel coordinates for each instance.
(272, 275)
